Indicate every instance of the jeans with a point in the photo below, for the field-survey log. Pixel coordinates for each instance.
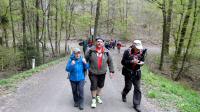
(78, 92)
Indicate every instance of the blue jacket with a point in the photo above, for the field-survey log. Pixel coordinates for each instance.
(76, 71)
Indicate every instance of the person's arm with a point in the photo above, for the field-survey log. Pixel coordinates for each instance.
(110, 63)
(70, 65)
(143, 55)
(125, 61)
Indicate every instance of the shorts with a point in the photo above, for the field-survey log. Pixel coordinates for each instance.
(97, 81)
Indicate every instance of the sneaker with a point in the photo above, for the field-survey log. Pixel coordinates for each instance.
(93, 105)
(99, 100)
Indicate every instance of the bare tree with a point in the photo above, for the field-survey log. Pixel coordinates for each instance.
(97, 17)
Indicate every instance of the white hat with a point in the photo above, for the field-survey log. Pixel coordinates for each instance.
(138, 44)
(76, 50)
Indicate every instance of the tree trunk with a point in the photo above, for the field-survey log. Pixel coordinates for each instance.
(56, 29)
(126, 20)
(164, 35)
(12, 25)
(48, 29)
(97, 17)
(174, 61)
(91, 13)
(6, 36)
(182, 38)
(108, 18)
(189, 42)
(184, 28)
(24, 32)
(37, 26)
(1, 40)
(168, 27)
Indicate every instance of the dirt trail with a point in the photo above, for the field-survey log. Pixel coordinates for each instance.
(50, 91)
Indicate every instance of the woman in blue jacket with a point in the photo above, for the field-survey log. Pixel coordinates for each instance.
(76, 66)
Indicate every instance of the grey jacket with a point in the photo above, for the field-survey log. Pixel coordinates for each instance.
(92, 58)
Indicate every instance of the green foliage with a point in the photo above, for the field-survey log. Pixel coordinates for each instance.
(8, 58)
(151, 94)
(83, 22)
(170, 94)
(125, 36)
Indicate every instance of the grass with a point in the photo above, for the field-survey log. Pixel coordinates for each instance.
(12, 81)
(170, 94)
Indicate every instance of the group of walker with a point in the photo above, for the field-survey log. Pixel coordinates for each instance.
(97, 59)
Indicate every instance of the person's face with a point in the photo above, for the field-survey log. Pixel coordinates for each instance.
(99, 43)
(136, 50)
(78, 55)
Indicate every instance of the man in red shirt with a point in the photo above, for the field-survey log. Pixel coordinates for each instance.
(99, 59)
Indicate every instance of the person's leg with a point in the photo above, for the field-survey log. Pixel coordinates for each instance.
(75, 93)
(93, 88)
(137, 92)
(127, 87)
(100, 85)
(81, 94)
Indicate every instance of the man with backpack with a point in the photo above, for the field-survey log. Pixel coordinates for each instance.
(132, 60)
(99, 58)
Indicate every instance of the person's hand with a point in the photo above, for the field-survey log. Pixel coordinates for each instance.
(135, 61)
(68, 76)
(84, 61)
(111, 75)
(73, 62)
(141, 63)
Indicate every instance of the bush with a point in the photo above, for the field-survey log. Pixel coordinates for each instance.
(9, 58)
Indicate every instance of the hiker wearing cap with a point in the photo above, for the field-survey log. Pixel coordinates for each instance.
(99, 59)
(132, 60)
(76, 66)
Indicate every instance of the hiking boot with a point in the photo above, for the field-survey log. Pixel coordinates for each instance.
(124, 98)
(75, 104)
(99, 100)
(81, 107)
(137, 108)
(93, 104)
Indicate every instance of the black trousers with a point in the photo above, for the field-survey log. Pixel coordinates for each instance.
(133, 78)
(78, 91)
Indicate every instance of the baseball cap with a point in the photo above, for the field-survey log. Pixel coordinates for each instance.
(76, 50)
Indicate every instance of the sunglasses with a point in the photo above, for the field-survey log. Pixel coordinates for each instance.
(100, 41)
